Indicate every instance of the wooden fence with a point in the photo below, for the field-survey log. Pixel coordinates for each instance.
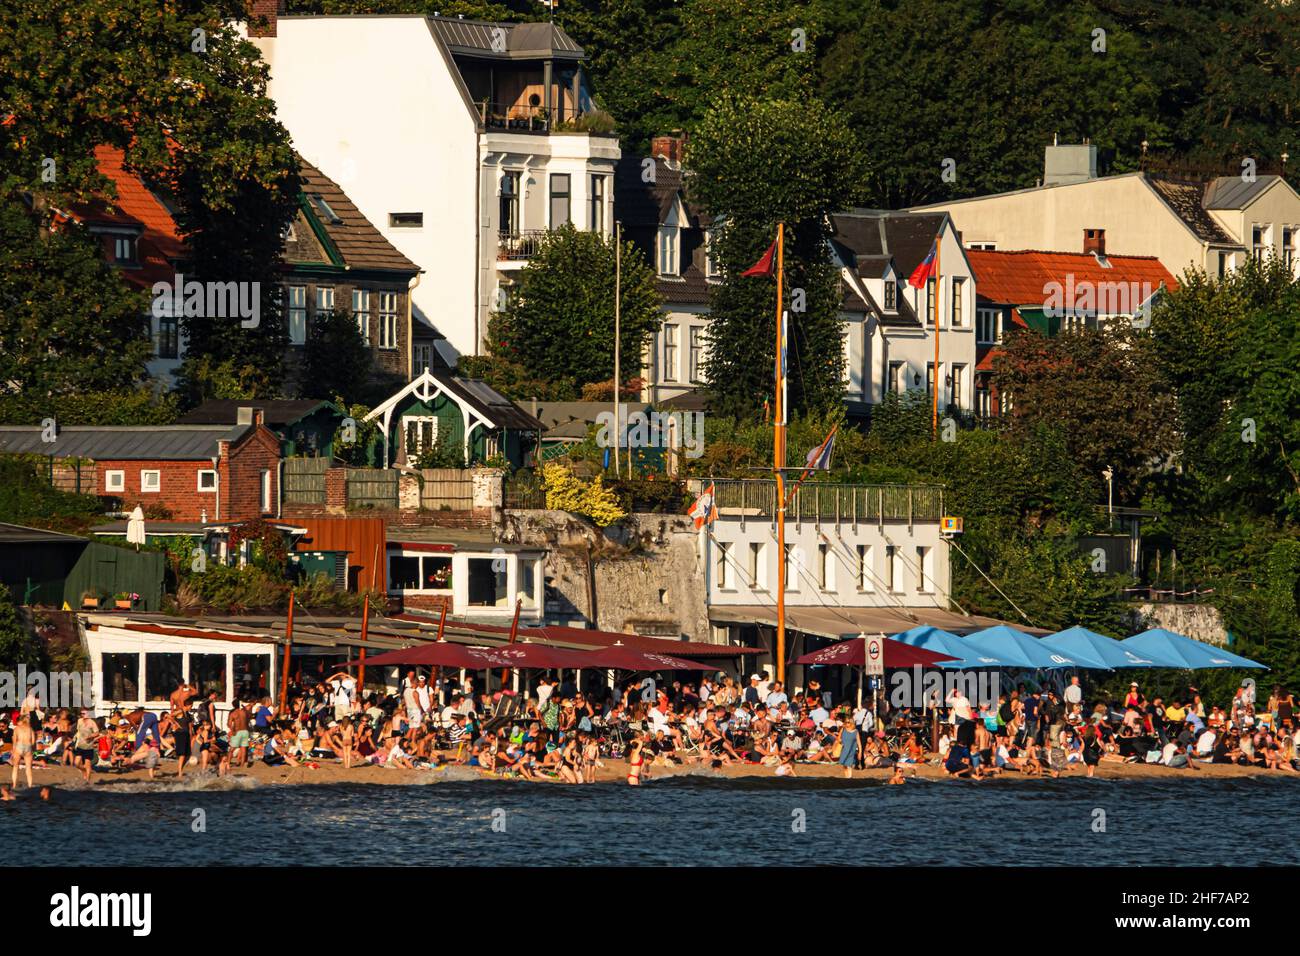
(304, 480)
(447, 489)
(372, 488)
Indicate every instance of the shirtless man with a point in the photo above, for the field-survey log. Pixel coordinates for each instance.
(180, 697)
(237, 730)
(24, 745)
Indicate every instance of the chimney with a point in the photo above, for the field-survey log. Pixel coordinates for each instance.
(267, 10)
(1069, 164)
(668, 148)
(1094, 241)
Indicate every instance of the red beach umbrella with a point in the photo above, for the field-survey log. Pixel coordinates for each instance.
(619, 657)
(854, 654)
(447, 654)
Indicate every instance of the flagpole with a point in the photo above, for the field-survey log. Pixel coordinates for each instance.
(938, 286)
(618, 269)
(778, 457)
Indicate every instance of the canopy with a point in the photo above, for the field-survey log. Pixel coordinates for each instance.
(1093, 650)
(620, 657)
(1017, 649)
(1175, 650)
(853, 651)
(447, 654)
(964, 658)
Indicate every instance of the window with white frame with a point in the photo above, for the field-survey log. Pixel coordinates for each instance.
(711, 268)
(925, 570)
(124, 249)
(1260, 240)
(931, 285)
(508, 211)
(958, 296)
(695, 355)
(410, 572)
(423, 357)
(597, 201)
(421, 433)
(207, 480)
(361, 312)
(724, 574)
(324, 299)
(670, 353)
(150, 481)
(114, 481)
(956, 391)
(897, 378)
(266, 490)
(757, 570)
(388, 320)
(899, 576)
(889, 568)
(866, 581)
(669, 260)
(988, 326)
(297, 315)
(825, 567)
(793, 560)
(1288, 247)
(891, 295)
(169, 337)
(560, 199)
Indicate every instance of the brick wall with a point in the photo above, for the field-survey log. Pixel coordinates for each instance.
(241, 475)
(178, 487)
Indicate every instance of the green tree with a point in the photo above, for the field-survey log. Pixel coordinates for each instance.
(17, 644)
(179, 90)
(560, 323)
(755, 163)
(337, 360)
(67, 321)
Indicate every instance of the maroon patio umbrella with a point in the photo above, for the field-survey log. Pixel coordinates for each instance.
(447, 654)
(620, 657)
(854, 653)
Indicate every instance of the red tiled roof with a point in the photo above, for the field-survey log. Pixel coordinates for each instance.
(135, 206)
(1018, 278)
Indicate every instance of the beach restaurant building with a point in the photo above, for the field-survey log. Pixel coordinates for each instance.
(859, 558)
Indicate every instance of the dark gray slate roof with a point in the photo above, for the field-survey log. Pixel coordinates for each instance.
(1185, 198)
(522, 40)
(122, 442)
(21, 534)
(224, 411)
(491, 403)
(1231, 192)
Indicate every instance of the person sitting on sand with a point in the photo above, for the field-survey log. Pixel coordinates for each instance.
(786, 767)
(276, 752)
(395, 757)
(958, 762)
(1030, 763)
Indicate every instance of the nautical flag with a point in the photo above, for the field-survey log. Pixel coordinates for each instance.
(925, 270)
(765, 266)
(704, 511)
(819, 459)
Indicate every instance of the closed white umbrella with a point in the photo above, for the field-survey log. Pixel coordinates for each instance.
(135, 528)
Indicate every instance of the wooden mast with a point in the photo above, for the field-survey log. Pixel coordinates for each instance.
(778, 454)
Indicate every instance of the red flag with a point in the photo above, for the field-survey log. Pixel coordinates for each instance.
(924, 271)
(765, 266)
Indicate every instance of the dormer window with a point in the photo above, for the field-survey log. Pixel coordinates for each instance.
(669, 257)
(124, 249)
(891, 295)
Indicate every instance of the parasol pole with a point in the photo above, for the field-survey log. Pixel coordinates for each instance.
(437, 671)
(365, 630)
(288, 649)
(778, 457)
(514, 631)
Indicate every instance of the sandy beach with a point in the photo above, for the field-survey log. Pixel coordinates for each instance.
(329, 772)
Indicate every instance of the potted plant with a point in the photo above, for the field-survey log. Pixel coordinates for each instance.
(125, 601)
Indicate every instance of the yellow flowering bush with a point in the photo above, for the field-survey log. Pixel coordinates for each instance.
(565, 491)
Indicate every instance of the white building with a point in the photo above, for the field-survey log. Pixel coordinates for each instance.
(477, 580)
(462, 141)
(1210, 225)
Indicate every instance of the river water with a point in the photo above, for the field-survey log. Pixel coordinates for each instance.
(695, 819)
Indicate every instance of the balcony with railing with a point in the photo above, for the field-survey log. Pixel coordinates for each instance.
(827, 501)
(519, 246)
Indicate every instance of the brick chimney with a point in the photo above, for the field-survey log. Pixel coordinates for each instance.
(668, 148)
(1094, 241)
(267, 10)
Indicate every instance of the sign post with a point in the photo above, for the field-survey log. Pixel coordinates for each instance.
(874, 666)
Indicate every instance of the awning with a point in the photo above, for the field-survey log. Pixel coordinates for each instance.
(1018, 649)
(853, 652)
(1175, 650)
(1091, 649)
(843, 622)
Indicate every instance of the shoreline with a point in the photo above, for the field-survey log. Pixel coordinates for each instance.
(258, 775)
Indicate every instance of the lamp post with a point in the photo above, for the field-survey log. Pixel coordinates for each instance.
(1109, 474)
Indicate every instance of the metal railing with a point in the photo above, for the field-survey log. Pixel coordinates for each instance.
(515, 246)
(830, 501)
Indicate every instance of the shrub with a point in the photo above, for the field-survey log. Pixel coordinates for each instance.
(566, 492)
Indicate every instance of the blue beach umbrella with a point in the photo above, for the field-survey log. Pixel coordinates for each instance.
(1094, 650)
(934, 639)
(1180, 651)
(1017, 649)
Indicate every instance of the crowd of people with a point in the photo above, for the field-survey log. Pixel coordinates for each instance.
(563, 732)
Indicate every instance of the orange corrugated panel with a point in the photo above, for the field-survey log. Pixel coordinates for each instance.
(363, 538)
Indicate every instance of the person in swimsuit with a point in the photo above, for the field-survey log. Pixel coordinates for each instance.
(24, 745)
(635, 763)
(849, 744)
(183, 725)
